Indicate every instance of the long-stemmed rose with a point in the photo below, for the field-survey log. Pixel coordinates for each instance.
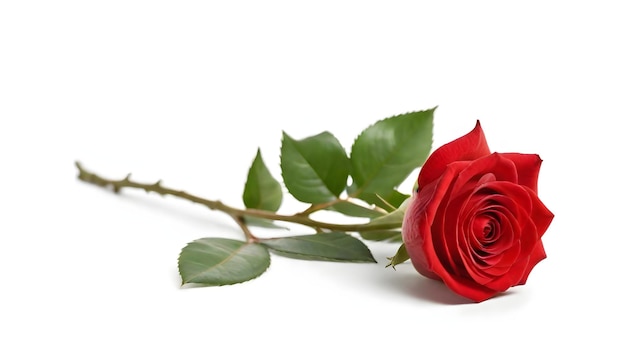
(476, 221)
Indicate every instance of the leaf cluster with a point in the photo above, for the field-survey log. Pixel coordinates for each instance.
(318, 170)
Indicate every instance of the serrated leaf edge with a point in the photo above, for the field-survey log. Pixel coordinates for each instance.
(319, 177)
(245, 244)
(360, 187)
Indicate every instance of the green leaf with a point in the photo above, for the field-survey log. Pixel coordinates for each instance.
(401, 256)
(315, 169)
(333, 246)
(217, 262)
(382, 235)
(355, 210)
(262, 191)
(384, 154)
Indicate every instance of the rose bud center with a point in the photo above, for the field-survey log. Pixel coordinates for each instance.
(484, 228)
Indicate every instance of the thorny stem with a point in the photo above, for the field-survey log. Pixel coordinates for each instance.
(236, 214)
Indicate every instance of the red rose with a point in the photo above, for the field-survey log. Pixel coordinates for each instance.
(476, 221)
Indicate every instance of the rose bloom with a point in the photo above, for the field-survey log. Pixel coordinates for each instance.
(476, 222)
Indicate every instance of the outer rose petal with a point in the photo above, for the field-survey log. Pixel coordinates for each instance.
(471, 146)
(542, 217)
(537, 255)
(528, 166)
(497, 166)
(418, 239)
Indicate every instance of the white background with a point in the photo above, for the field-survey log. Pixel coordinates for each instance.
(185, 91)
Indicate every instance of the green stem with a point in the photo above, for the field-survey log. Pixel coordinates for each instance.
(317, 207)
(250, 238)
(235, 213)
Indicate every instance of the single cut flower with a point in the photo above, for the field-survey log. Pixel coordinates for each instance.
(475, 221)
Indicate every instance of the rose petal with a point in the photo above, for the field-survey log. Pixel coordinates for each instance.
(536, 256)
(444, 243)
(515, 270)
(458, 236)
(416, 232)
(448, 222)
(528, 166)
(515, 197)
(501, 212)
(542, 217)
(418, 239)
(471, 266)
(418, 219)
(474, 175)
(471, 146)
